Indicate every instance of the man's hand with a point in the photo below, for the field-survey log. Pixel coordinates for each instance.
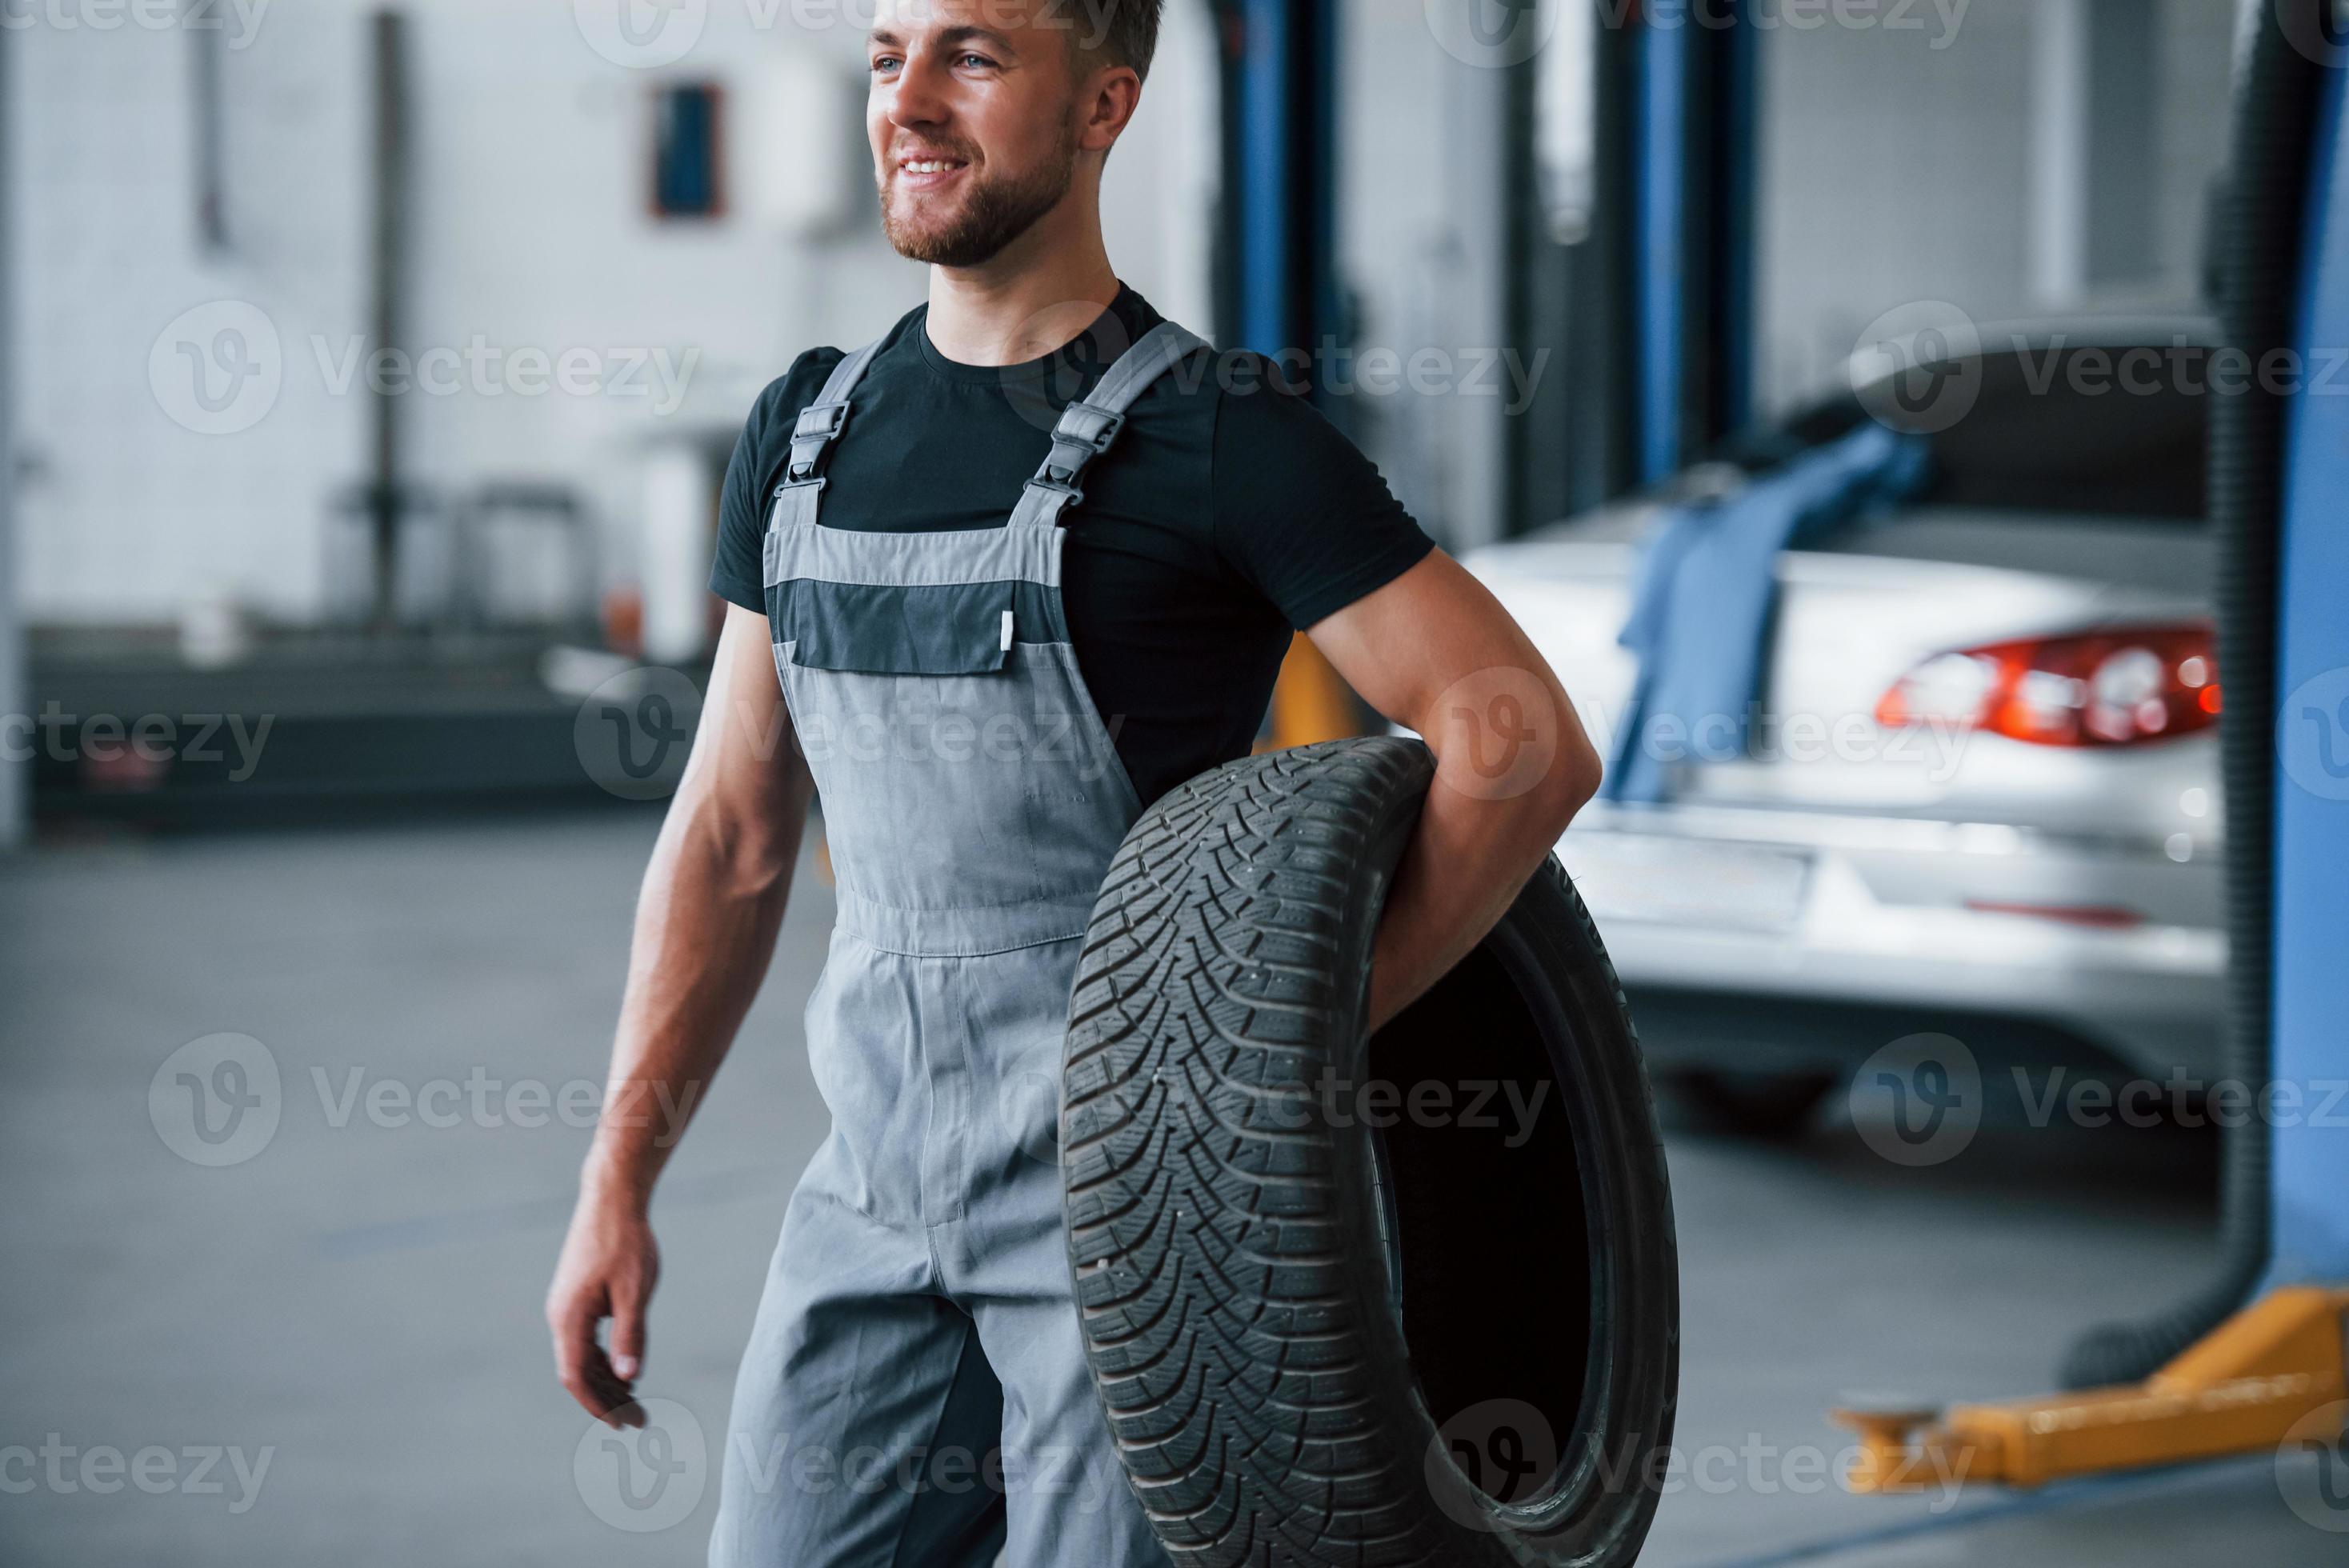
(608, 1268)
(713, 899)
(1434, 650)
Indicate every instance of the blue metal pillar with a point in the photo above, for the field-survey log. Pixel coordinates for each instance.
(1280, 115)
(1269, 173)
(1663, 244)
(1694, 224)
(2309, 1141)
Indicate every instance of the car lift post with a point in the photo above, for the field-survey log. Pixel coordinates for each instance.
(2278, 1371)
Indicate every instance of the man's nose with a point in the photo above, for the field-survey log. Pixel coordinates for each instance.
(915, 99)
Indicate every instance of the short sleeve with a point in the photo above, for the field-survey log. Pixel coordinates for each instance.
(1301, 514)
(738, 574)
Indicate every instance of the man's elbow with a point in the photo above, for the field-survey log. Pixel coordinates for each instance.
(1574, 777)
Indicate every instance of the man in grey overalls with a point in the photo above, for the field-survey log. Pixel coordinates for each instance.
(914, 1390)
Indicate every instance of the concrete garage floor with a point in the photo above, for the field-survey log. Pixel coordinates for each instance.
(356, 1304)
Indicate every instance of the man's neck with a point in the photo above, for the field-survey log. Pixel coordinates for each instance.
(1040, 292)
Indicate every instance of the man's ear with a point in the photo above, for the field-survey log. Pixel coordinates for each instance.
(1109, 100)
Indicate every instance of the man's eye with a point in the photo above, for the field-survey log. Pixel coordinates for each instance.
(886, 63)
(979, 60)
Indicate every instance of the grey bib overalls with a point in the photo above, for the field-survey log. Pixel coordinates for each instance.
(919, 1310)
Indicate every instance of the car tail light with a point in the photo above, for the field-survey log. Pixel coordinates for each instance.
(2112, 688)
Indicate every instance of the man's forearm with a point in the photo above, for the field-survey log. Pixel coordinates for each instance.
(1434, 651)
(705, 932)
(1466, 862)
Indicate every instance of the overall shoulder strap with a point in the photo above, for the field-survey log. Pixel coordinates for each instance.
(819, 424)
(1087, 428)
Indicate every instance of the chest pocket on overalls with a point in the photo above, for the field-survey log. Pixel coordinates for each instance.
(864, 628)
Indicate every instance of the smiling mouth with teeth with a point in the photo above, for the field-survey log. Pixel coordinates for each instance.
(929, 165)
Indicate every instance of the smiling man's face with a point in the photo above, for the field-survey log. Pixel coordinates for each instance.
(973, 118)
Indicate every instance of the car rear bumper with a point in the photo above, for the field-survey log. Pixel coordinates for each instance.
(1761, 922)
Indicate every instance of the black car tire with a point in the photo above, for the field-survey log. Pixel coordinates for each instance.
(1319, 1340)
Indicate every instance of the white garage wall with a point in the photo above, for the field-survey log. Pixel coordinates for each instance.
(1894, 164)
(529, 231)
(1892, 172)
(1889, 172)
(1420, 207)
(2197, 47)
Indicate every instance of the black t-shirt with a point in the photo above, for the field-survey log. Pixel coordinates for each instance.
(1227, 512)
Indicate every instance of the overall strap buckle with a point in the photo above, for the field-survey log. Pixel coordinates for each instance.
(819, 424)
(1086, 429)
(1082, 433)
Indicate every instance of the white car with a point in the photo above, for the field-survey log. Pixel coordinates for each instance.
(1983, 795)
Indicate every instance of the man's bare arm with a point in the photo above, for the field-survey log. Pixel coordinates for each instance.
(712, 902)
(1435, 651)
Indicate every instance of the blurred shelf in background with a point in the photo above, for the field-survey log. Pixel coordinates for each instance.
(309, 726)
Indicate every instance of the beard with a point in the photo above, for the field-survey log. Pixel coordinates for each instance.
(996, 210)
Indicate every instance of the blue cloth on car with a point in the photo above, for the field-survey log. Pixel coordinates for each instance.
(1705, 589)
